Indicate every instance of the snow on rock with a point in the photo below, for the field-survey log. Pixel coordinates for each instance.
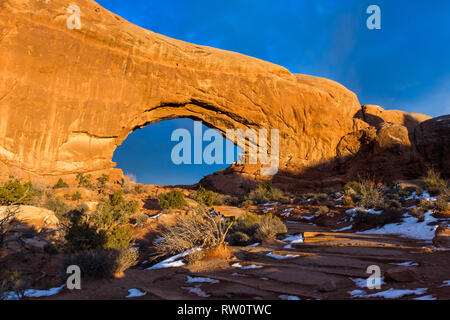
(409, 228)
(388, 294)
(425, 196)
(281, 257)
(294, 239)
(199, 292)
(406, 264)
(200, 280)
(175, 261)
(430, 297)
(247, 267)
(362, 283)
(254, 245)
(343, 229)
(446, 283)
(32, 293)
(135, 293)
(292, 298)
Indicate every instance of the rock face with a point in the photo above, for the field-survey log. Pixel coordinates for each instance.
(70, 97)
(442, 237)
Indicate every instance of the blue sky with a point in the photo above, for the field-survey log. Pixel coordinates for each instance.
(405, 65)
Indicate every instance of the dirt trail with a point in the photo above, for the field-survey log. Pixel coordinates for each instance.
(321, 268)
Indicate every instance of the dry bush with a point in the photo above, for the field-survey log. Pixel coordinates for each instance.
(266, 192)
(434, 183)
(372, 195)
(102, 263)
(253, 228)
(199, 230)
(323, 210)
(442, 203)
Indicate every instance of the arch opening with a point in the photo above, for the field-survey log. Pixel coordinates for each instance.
(151, 153)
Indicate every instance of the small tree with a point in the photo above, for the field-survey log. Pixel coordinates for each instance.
(172, 200)
(204, 197)
(60, 184)
(14, 192)
(101, 181)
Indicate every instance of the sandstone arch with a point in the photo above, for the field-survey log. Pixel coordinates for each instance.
(68, 98)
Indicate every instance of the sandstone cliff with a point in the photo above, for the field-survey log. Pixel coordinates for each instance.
(68, 98)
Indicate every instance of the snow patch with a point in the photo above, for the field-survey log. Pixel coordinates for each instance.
(175, 261)
(247, 267)
(200, 280)
(388, 294)
(135, 293)
(281, 257)
(291, 298)
(32, 293)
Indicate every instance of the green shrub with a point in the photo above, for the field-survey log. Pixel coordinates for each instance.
(102, 263)
(84, 181)
(142, 219)
(14, 191)
(352, 188)
(172, 200)
(257, 228)
(77, 196)
(434, 183)
(60, 184)
(139, 188)
(265, 192)
(105, 228)
(101, 181)
(204, 197)
(57, 205)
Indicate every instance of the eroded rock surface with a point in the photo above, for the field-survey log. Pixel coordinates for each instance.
(68, 98)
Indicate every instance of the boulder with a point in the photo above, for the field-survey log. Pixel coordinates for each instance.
(402, 274)
(442, 237)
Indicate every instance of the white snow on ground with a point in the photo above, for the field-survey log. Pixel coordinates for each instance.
(308, 218)
(236, 274)
(250, 266)
(343, 229)
(430, 297)
(285, 297)
(388, 294)
(197, 291)
(175, 261)
(294, 239)
(254, 245)
(371, 211)
(280, 257)
(200, 280)
(446, 283)
(159, 240)
(157, 216)
(362, 283)
(287, 212)
(406, 264)
(409, 228)
(135, 293)
(31, 293)
(425, 195)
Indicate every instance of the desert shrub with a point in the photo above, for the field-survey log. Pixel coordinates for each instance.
(434, 183)
(102, 263)
(347, 201)
(7, 221)
(107, 227)
(139, 188)
(77, 196)
(101, 182)
(57, 205)
(198, 230)
(246, 203)
(418, 213)
(352, 188)
(372, 196)
(257, 228)
(194, 257)
(142, 219)
(13, 281)
(426, 205)
(60, 184)
(394, 204)
(84, 181)
(204, 197)
(323, 210)
(172, 200)
(442, 203)
(14, 191)
(266, 192)
(389, 215)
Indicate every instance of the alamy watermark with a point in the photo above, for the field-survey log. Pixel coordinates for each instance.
(74, 20)
(254, 143)
(374, 20)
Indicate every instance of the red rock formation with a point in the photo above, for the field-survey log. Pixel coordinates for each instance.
(68, 98)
